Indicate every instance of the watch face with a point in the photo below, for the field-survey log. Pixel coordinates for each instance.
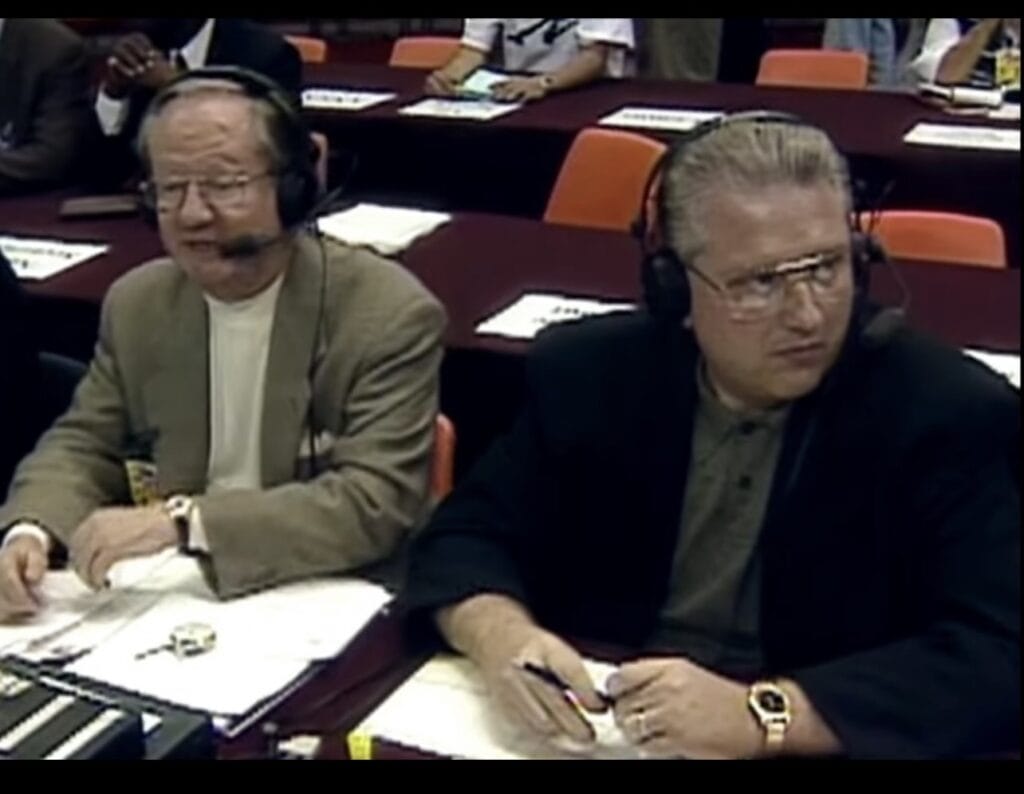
(771, 702)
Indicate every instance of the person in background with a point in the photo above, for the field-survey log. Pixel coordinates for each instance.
(545, 55)
(45, 121)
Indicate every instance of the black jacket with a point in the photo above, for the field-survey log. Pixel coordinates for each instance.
(890, 546)
(19, 366)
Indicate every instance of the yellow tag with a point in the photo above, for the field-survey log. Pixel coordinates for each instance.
(360, 746)
(1008, 68)
(142, 482)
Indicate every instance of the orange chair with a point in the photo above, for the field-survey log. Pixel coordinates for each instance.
(311, 49)
(423, 52)
(601, 182)
(320, 141)
(939, 237)
(442, 467)
(814, 69)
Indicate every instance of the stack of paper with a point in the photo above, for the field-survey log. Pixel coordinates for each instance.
(36, 259)
(1006, 364)
(388, 230)
(264, 641)
(445, 709)
(676, 119)
(533, 312)
(341, 99)
(481, 110)
(964, 137)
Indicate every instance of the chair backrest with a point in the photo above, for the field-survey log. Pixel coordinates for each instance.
(423, 52)
(602, 179)
(940, 237)
(58, 378)
(311, 49)
(320, 141)
(442, 467)
(814, 69)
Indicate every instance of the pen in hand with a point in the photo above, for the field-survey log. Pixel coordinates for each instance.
(548, 676)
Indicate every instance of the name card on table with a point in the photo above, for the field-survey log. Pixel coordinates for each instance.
(341, 99)
(36, 259)
(533, 312)
(964, 137)
(481, 110)
(652, 118)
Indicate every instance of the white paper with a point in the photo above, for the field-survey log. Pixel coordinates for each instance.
(1008, 112)
(342, 99)
(35, 259)
(533, 312)
(655, 118)
(263, 641)
(964, 137)
(73, 618)
(1006, 364)
(445, 709)
(388, 230)
(965, 95)
(479, 84)
(478, 110)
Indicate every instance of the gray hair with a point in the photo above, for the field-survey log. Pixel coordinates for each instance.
(268, 123)
(742, 155)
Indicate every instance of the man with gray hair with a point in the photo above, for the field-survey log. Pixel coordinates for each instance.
(261, 398)
(792, 516)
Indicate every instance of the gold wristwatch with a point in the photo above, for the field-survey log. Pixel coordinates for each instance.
(770, 706)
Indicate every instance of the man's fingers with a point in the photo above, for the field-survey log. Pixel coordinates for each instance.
(35, 565)
(16, 598)
(561, 708)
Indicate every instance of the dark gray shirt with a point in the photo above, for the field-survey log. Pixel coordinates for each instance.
(712, 613)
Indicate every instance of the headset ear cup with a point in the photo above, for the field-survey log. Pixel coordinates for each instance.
(666, 290)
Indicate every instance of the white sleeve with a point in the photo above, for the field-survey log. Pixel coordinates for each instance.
(26, 528)
(112, 113)
(607, 31)
(939, 37)
(480, 33)
(196, 531)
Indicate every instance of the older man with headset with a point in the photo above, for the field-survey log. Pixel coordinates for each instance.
(795, 514)
(261, 398)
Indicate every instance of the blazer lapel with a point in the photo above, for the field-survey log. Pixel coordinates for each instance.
(179, 396)
(11, 77)
(288, 388)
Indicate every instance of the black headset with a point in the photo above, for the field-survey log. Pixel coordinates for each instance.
(298, 188)
(666, 288)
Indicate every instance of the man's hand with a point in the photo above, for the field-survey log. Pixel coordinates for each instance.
(672, 708)
(440, 82)
(519, 89)
(135, 62)
(499, 635)
(118, 533)
(22, 566)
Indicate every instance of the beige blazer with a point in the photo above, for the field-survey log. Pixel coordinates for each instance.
(374, 391)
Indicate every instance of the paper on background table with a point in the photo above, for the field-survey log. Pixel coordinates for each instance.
(1008, 112)
(343, 99)
(654, 118)
(534, 311)
(388, 230)
(477, 110)
(444, 708)
(1006, 364)
(479, 83)
(35, 259)
(964, 137)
